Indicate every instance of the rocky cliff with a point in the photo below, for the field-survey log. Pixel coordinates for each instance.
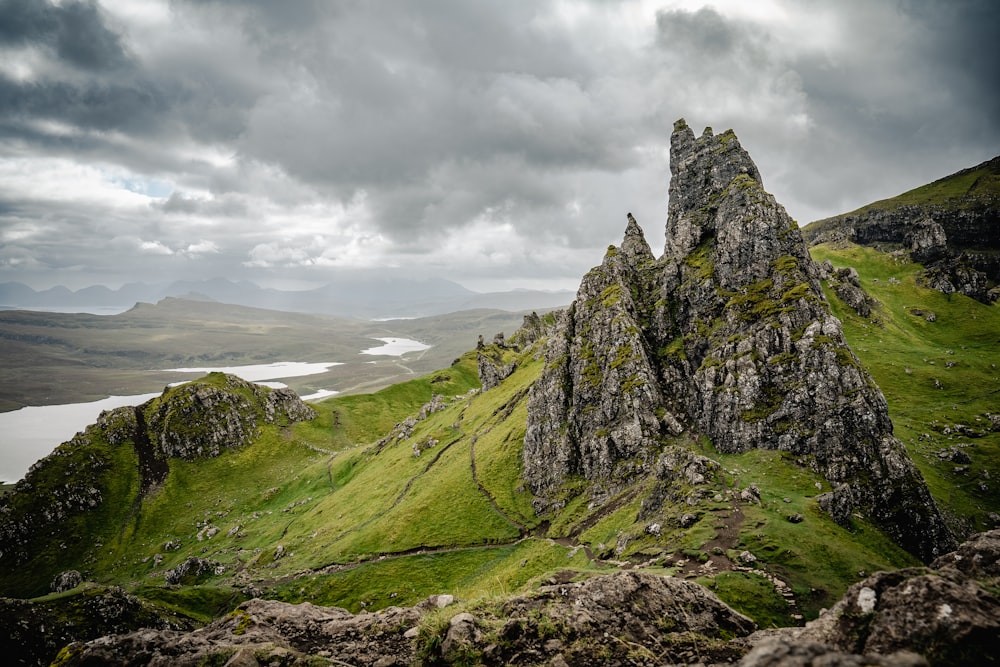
(951, 226)
(84, 491)
(727, 335)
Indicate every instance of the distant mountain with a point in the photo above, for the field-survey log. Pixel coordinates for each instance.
(951, 226)
(365, 297)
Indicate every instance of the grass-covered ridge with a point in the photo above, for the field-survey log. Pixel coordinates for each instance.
(962, 188)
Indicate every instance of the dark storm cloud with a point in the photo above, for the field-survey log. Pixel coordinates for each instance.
(479, 138)
(105, 105)
(421, 105)
(917, 98)
(74, 30)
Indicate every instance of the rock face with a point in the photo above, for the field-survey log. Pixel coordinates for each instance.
(953, 230)
(650, 616)
(945, 612)
(33, 631)
(80, 478)
(728, 335)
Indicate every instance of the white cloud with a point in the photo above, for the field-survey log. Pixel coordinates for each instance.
(154, 248)
(202, 248)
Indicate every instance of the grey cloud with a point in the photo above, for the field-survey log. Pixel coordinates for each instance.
(448, 117)
(224, 207)
(95, 105)
(703, 32)
(75, 30)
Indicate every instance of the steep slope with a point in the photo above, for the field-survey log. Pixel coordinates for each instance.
(727, 335)
(935, 357)
(86, 492)
(952, 226)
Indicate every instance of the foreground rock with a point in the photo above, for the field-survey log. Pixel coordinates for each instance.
(629, 618)
(940, 615)
(727, 335)
(945, 612)
(33, 631)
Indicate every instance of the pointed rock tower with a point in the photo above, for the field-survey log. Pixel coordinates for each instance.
(728, 335)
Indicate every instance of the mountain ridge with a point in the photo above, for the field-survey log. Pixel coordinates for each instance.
(951, 226)
(359, 297)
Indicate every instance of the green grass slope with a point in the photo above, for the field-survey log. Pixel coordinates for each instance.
(973, 188)
(936, 359)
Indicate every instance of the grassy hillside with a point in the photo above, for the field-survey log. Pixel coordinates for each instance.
(936, 359)
(373, 504)
(325, 511)
(965, 187)
(975, 187)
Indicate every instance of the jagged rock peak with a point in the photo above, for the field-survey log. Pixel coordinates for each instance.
(704, 172)
(728, 335)
(634, 245)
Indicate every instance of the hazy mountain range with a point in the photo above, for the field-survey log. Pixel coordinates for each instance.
(360, 297)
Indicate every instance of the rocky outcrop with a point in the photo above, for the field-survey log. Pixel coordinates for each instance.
(946, 612)
(627, 618)
(728, 335)
(846, 284)
(203, 419)
(191, 570)
(33, 631)
(91, 475)
(493, 368)
(951, 226)
(66, 581)
(940, 615)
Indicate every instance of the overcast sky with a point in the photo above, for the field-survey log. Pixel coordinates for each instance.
(498, 144)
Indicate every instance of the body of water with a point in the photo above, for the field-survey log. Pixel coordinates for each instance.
(32, 432)
(396, 347)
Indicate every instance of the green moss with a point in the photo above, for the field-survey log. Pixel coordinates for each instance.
(786, 265)
(784, 358)
(800, 291)
(753, 595)
(767, 405)
(700, 260)
(611, 295)
(623, 355)
(754, 303)
(631, 384)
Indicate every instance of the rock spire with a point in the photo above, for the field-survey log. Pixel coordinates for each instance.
(727, 335)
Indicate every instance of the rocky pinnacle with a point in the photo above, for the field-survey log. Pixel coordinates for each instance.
(727, 335)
